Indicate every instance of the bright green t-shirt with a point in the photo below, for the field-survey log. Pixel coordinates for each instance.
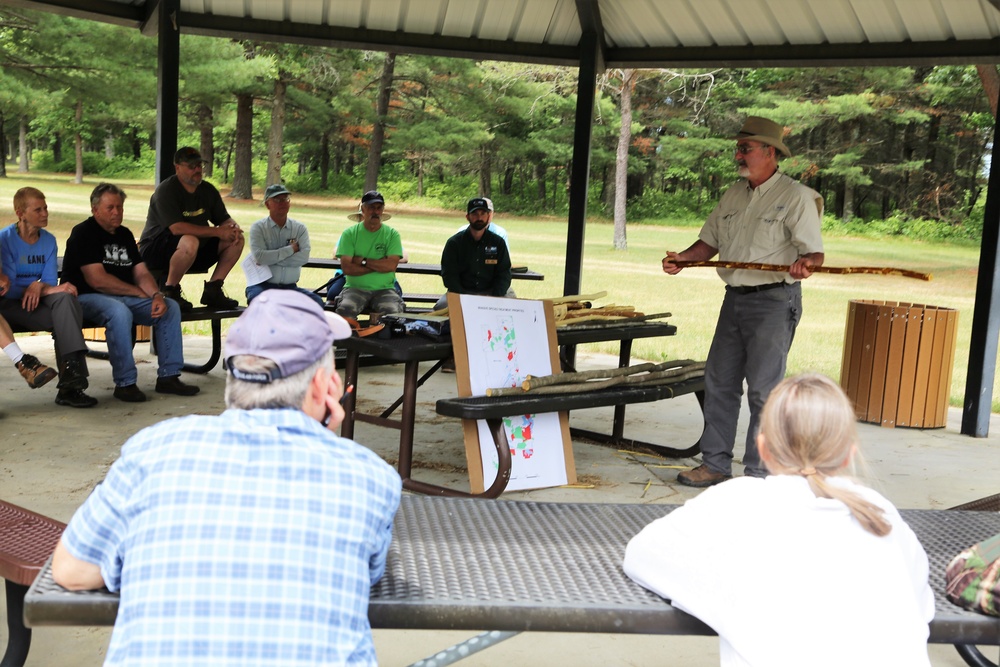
(357, 241)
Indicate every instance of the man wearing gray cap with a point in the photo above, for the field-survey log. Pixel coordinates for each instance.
(767, 218)
(251, 537)
(281, 244)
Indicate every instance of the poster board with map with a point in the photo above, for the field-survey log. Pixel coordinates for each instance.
(497, 343)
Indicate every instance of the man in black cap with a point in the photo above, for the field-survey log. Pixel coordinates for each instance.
(369, 253)
(475, 260)
(178, 237)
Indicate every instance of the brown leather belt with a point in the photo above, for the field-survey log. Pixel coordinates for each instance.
(749, 289)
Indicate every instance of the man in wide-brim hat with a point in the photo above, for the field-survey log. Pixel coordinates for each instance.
(369, 253)
(768, 218)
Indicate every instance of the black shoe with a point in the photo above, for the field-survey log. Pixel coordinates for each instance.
(174, 292)
(75, 398)
(73, 373)
(130, 394)
(214, 297)
(34, 372)
(173, 385)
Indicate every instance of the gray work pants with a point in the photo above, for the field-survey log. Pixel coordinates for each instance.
(59, 313)
(752, 339)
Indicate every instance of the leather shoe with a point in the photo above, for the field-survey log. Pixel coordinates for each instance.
(701, 477)
(173, 385)
(130, 394)
(75, 398)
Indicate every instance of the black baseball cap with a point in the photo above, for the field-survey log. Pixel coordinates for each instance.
(478, 204)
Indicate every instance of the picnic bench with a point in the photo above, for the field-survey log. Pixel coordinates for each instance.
(512, 566)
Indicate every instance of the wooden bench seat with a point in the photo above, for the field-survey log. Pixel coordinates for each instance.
(494, 409)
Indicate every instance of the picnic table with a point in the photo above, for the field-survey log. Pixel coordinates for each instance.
(412, 350)
(463, 564)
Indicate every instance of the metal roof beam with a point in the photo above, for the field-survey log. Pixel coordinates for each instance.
(589, 13)
(377, 40)
(967, 52)
(94, 10)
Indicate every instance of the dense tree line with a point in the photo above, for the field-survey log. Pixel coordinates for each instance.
(878, 143)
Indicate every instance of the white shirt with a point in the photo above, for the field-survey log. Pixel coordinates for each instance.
(788, 579)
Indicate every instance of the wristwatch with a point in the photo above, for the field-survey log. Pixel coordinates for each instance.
(364, 261)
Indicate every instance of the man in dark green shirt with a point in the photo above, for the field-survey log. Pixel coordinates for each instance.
(475, 260)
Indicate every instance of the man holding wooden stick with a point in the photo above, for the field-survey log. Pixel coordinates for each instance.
(766, 217)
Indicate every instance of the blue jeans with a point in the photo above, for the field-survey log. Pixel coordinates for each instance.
(117, 314)
(255, 290)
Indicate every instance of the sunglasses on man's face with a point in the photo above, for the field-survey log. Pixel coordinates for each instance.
(743, 149)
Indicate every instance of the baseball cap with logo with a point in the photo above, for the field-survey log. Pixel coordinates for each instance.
(286, 327)
(370, 197)
(478, 204)
(188, 155)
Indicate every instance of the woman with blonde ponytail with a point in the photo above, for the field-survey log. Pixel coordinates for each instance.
(803, 567)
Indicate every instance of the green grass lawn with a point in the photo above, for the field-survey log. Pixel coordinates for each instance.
(632, 278)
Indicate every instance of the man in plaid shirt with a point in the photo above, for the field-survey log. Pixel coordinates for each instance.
(251, 537)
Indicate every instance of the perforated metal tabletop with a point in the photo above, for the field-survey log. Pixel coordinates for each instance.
(467, 564)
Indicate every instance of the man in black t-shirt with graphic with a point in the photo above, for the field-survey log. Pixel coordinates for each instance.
(116, 290)
(189, 229)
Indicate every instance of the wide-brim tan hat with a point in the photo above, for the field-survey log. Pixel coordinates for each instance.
(357, 217)
(765, 131)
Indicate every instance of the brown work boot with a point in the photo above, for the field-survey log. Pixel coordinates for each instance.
(34, 372)
(701, 477)
(214, 297)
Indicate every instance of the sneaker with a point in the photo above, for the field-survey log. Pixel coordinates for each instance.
(130, 394)
(214, 297)
(174, 292)
(701, 477)
(173, 385)
(34, 372)
(75, 398)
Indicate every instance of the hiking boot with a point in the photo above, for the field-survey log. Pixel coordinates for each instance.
(701, 477)
(73, 373)
(34, 372)
(130, 394)
(75, 398)
(214, 297)
(174, 292)
(173, 385)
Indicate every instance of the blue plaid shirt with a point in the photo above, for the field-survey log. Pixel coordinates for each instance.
(248, 538)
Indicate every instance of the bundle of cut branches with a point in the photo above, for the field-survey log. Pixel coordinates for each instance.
(647, 374)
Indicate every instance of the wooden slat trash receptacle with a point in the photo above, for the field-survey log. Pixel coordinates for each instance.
(897, 363)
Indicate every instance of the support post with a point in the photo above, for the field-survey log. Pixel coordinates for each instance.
(168, 47)
(986, 316)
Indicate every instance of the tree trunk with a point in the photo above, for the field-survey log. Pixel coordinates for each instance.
(485, 173)
(206, 137)
(275, 147)
(420, 177)
(242, 174)
(57, 148)
(109, 145)
(324, 160)
(79, 143)
(378, 131)
(3, 143)
(990, 76)
(621, 158)
(540, 180)
(22, 146)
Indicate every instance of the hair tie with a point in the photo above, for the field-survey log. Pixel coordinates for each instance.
(806, 472)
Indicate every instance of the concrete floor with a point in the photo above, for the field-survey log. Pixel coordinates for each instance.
(50, 458)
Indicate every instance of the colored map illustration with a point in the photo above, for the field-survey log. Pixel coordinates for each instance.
(500, 353)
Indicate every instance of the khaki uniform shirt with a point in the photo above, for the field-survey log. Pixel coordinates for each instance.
(776, 223)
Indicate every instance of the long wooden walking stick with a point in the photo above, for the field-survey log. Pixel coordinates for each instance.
(755, 266)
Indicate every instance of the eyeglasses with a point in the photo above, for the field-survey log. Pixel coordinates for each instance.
(743, 149)
(284, 199)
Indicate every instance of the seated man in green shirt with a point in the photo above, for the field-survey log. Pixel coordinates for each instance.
(369, 253)
(475, 260)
